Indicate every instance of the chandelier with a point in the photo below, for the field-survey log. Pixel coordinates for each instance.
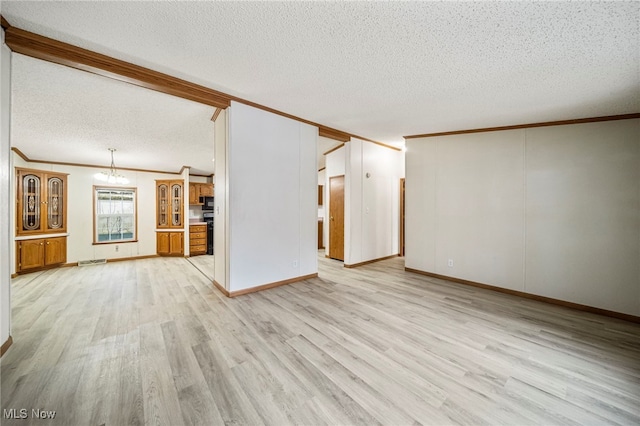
(111, 176)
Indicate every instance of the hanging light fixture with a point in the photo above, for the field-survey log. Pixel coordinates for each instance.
(111, 176)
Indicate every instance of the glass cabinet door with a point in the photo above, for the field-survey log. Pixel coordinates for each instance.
(55, 203)
(169, 203)
(31, 202)
(163, 205)
(176, 204)
(42, 204)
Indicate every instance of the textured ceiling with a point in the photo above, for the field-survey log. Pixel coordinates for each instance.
(377, 69)
(62, 114)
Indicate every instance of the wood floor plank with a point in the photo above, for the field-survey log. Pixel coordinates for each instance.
(153, 342)
(233, 403)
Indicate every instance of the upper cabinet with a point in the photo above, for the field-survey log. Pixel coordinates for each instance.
(169, 204)
(197, 190)
(41, 202)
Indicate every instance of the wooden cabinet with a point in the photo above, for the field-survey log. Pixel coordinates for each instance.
(170, 215)
(41, 202)
(41, 209)
(55, 251)
(197, 239)
(194, 194)
(169, 204)
(197, 190)
(40, 253)
(206, 190)
(170, 243)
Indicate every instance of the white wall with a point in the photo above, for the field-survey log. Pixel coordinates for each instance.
(372, 201)
(80, 211)
(5, 192)
(272, 172)
(221, 218)
(551, 211)
(372, 204)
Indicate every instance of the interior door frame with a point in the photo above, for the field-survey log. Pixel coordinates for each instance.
(402, 217)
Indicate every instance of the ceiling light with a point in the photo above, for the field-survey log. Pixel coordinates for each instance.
(111, 176)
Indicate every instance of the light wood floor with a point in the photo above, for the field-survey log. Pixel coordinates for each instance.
(151, 342)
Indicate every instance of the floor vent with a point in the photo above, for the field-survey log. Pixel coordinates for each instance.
(92, 262)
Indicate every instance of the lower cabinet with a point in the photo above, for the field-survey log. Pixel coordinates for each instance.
(197, 239)
(40, 253)
(170, 243)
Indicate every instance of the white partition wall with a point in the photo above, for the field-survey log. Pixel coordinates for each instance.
(221, 212)
(272, 184)
(372, 201)
(550, 211)
(5, 192)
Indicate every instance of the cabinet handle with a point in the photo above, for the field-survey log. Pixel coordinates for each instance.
(47, 242)
(41, 244)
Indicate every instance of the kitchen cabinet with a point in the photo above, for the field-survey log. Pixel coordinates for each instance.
(194, 194)
(206, 190)
(41, 202)
(170, 243)
(40, 253)
(169, 204)
(170, 215)
(197, 239)
(197, 190)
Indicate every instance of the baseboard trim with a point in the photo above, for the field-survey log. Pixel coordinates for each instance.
(550, 300)
(263, 287)
(6, 345)
(355, 265)
(122, 259)
(43, 268)
(67, 265)
(221, 288)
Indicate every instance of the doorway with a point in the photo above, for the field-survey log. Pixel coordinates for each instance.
(336, 217)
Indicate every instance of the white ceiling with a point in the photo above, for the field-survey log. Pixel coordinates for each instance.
(62, 114)
(377, 69)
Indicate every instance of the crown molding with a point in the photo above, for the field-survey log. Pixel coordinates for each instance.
(4, 23)
(395, 148)
(530, 125)
(335, 148)
(99, 166)
(216, 114)
(334, 134)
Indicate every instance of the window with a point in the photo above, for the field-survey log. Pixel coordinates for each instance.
(115, 215)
